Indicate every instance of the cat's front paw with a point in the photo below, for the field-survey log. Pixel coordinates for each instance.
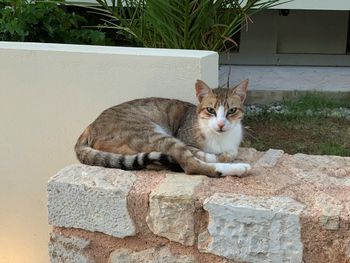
(227, 157)
(232, 169)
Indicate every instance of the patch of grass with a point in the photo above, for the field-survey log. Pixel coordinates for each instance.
(299, 132)
(334, 149)
(315, 101)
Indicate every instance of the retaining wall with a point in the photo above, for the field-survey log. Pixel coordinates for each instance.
(291, 208)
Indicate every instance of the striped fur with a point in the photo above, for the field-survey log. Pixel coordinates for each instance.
(155, 132)
(91, 156)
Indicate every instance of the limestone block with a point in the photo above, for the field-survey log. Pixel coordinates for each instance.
(91, 198)
(152, 255)
(338, 172)
(253, 229)
(247, 154)
(171, 212)
(330, 211)
(270, 158)
(323, 170)
(310, 162)
(347, 248)
(67, 249)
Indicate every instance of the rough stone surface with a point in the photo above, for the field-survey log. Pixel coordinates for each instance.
(330, 171)
(269, 159)
(152, 255)
(330, 211)
(101, 246)
(172, 208)
(253, 229)
(249, 155)
(67, 249)
(91, 198)
(347, 249)
(322, 183)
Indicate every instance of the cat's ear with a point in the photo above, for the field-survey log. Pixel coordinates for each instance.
(241, 90)
(202, 90)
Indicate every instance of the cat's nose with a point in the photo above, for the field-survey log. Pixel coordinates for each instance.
(220, 124)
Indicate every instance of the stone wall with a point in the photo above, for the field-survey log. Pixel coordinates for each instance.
(291, 208)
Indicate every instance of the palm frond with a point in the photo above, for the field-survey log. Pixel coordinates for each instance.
(187, 24)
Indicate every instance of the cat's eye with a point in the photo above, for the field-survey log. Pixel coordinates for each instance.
(211, 110)
(231, 111)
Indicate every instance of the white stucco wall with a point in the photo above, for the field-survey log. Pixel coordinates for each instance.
(317, 5)
(48, 95)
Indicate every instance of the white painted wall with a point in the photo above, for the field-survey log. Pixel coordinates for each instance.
(316, 4)
(48, 95)
(294, 40)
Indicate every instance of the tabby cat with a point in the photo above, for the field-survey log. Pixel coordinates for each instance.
(156, 132)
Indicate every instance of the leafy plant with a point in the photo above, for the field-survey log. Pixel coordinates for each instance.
(188, 24)
(22, 20)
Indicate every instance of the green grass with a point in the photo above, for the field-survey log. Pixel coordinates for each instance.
(315, 101)
(298, 132)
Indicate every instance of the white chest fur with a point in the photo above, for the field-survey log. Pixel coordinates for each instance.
(226, 142)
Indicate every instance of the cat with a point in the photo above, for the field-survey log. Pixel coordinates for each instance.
(157, 132)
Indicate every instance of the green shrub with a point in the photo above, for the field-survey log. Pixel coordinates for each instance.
(188, 24)
(34, 21)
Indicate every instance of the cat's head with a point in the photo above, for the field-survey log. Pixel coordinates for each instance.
(220, 109)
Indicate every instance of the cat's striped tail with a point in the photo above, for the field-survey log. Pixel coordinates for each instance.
(90, 156)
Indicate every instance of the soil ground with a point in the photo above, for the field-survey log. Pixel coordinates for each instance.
(297, 131)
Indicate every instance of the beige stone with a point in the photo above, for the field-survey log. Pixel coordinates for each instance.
(321, 170)
(311, 162)
(269, 159)
(330, 211)
(152, 255)
(171, 212)
(257, 218)
(347, 248)
(91, 198)
(68, 249)
(253, 229)
(247, 155)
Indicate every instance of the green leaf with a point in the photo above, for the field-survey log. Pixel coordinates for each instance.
(191, 24)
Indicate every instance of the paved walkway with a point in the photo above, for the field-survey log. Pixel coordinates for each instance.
(288, 78)
(268, 84)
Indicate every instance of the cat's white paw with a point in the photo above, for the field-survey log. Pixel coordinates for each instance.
(228, 169)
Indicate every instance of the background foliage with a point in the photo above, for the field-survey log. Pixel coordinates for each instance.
(43, 21)
(189, 24)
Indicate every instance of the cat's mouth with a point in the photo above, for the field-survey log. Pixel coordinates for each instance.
(220, 131)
